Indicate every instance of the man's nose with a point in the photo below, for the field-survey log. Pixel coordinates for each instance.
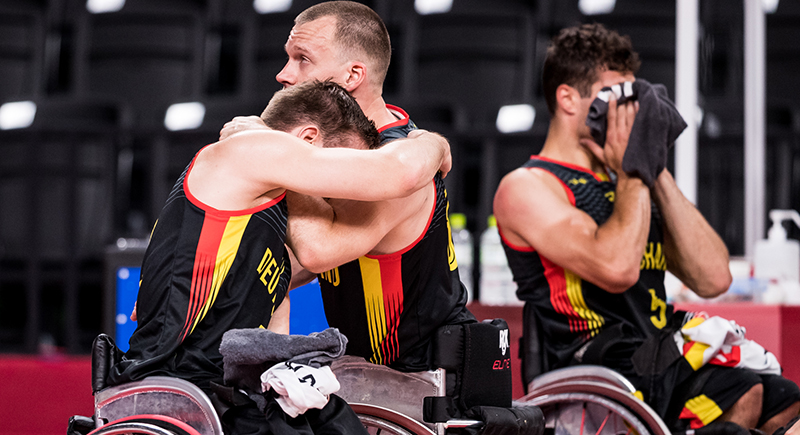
(285, 77)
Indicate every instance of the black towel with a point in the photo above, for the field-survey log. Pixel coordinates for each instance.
(654, 131)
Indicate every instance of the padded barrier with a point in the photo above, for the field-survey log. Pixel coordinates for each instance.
(477, 359)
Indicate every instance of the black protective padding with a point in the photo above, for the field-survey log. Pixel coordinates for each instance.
(439, 409)
(477, 359)
(487, 365)
(80, 425)
(521, 420)
(105, 354)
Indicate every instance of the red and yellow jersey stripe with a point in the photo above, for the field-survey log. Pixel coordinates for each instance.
(216, 249)
(566, 296)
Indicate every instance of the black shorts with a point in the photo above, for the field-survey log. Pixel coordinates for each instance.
(724, 386)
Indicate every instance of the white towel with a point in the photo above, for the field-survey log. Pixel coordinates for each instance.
(300, 387)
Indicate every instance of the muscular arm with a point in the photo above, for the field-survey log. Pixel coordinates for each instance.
(393, 171)
(694, 251)
(532, 210)
(324, 235)
(280, 318)
(239, 171)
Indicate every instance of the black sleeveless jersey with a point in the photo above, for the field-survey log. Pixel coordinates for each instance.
(570, 309)
(205, 271)
(390, 305)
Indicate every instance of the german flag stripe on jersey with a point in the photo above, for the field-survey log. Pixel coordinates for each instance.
(406, 295)
(700, 411)
(216, 249)
(383, 297)
(566, 295)
(202, 275)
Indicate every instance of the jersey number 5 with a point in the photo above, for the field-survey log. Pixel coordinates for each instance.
(659, 308)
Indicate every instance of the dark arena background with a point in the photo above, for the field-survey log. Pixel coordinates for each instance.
(101, 111)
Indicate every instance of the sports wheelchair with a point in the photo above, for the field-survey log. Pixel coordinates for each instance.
(574, 401)
(584, 398)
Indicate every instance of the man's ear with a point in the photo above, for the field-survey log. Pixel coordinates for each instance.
(356, 75)
(567, 99)
(310, 134)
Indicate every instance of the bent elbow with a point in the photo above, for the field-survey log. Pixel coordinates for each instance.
(621, 280)
(717, 285)
(314, 264)
(412, 179)
(309, 259)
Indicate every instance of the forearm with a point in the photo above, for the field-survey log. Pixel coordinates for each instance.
(323, 237)
(280, 321)
(310, 221)
(696, 254)
(418, 158)
(623, 236)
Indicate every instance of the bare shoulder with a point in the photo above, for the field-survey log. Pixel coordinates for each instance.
(528, 204)
(528, 185)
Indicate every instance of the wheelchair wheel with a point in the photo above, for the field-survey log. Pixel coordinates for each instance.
(131, 428)
(588, 414)
(382, 421)
(586, 408)
(146, 425)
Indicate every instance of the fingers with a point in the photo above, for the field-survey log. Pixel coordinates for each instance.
(447, 164)
(630, 114)
(620, 119)
(611, 117)
(227, 130)
(240, 123)
(447, 158)
(133, 313)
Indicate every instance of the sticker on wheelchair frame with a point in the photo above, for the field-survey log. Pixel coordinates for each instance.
(503, 341)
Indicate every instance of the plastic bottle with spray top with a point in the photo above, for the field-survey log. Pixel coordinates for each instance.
(777, 261)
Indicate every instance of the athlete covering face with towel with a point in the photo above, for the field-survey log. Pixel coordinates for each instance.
(588, 242)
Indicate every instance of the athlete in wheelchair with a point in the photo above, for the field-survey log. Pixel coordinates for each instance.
(574, 400)
(592, 223)
(470, 393)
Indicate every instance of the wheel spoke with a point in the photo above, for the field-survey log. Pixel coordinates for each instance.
(583, 417)
(604, 422)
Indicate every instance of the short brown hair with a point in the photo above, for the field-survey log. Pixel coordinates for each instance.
(577, 55)
(326, 105)
(358, 28)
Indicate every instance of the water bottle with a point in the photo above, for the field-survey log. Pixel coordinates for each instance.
(497, 283)
(462, 245)
(777, 261)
